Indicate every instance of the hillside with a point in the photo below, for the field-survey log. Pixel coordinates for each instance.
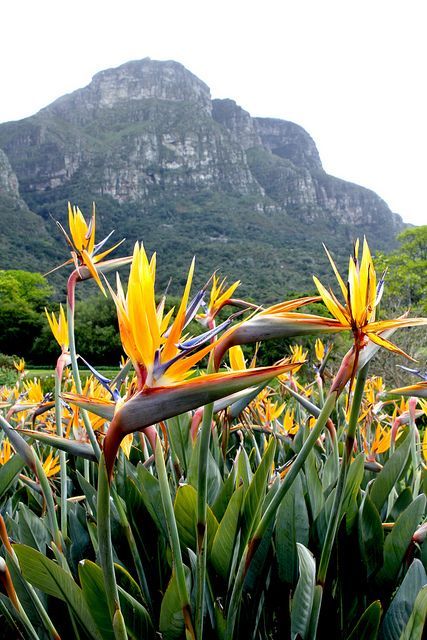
(188, 175)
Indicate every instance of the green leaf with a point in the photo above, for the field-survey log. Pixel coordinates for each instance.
(244, 471)
(314, 486)
(417, 621)
(398, 540)
(371, 535)
(10, 617)
(89, 491)
(214, 476)
(351, 491)
(224, 496)
(292, 526)
(92, 581)
(74, 447)
(150, 491)
(367, 627)
(9, 472)
(389, 475)
(32, 529)
(137, 619)
(179, 430)
(302, 601)
(257, 490)
(46, 575)
(223, 543)
(171, 623)
(399, 611)
(403, 501)
(185, 508)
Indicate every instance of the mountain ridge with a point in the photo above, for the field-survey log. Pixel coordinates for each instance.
(168, 164)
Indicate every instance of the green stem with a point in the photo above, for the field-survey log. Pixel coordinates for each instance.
(335, 516)
(62, 458)
(271, 510)
(106, 548)
(202, 508)
(76, 376)
(50, 504)
(416, 471)
(173, 539)
(339, 492)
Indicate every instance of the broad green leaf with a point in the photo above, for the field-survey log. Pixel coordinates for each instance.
(214, 476)
(223, 544)
(136, 617)
(32, 529)
(150, 491)
(9, 472)
(367, 627)
(88, 490)
(185, 508)
(389, 475)
(351, 491)
(224, 496)
(257, 569)
(330, 473)
(292, 526)
(314, 486)
(92, 581)
(257, 490)
(417, 622)
(371, 535)
(127, 582)
(398, 540)
(22, 588)
(73, 447)
(404, 500)
(46, 575)
(9, 617)
(399, 611)
(78, 532)
(244, 471)
(220, 622)
(302, 601)
(171, 623)
(180, 439)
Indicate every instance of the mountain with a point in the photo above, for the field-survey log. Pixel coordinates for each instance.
(188, 175)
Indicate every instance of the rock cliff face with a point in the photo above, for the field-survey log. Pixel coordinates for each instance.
(165, 161)
(8, 179)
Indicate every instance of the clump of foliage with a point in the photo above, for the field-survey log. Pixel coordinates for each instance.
(220, 500)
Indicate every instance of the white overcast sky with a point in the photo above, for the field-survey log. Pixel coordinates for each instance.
(352, 73)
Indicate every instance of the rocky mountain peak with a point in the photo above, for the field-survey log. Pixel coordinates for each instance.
(289, 141)
(135, 81)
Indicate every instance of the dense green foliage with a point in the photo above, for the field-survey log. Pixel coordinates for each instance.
(407, 271)
(23, 296)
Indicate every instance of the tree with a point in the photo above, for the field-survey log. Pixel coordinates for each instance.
(23, 296)
(406, 280)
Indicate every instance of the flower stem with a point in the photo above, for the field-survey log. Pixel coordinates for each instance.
(335, 516)
(62, 458)
(202, 507)
(106, 549)
(76, 373)
(174, 540)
